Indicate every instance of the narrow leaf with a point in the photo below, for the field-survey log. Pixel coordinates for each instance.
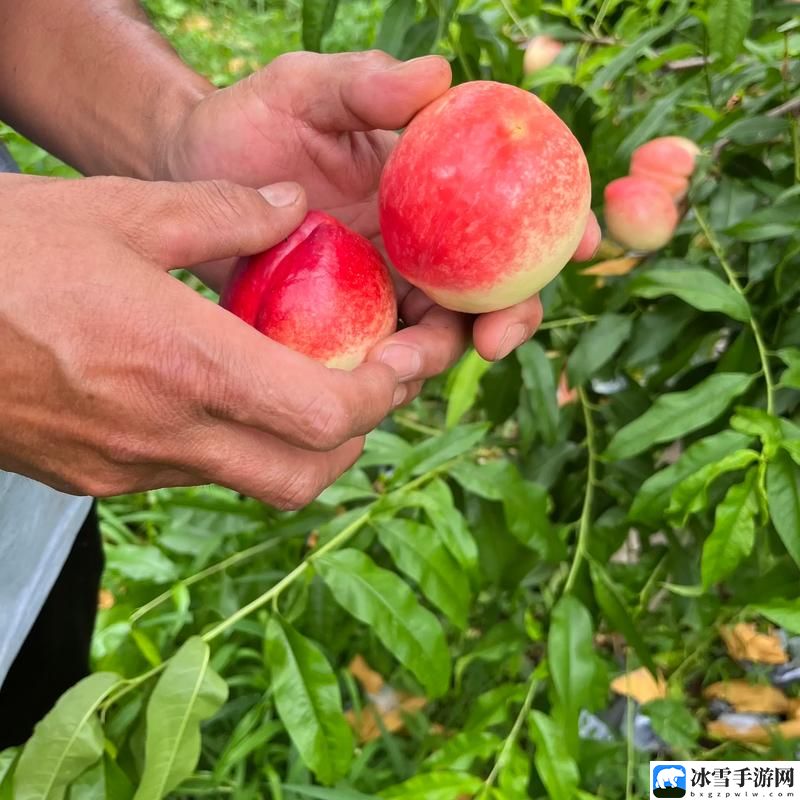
(728, 23)
(678, 413)
(556, 768)
(418, 552)
(462, 386)
(317, 19)
(540, 388)
(733, 536)
(383, 601)
(187, 693)
(785, 613)
(783, 495)
(308, 701)
(440, 785)
(597, 346)
(65, 743)
(698, 287)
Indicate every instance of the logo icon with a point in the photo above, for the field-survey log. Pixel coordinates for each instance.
(669, 780)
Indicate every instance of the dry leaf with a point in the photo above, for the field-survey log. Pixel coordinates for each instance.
(391, 715)
(640, 685)
(609, 249)
(793, 709)
(612, 267)
(757, 734)
(746, 697)
(565, 395)
(745, 643)
(370, 680)
(105, 599)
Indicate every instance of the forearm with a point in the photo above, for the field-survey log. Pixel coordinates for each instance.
(92, 82)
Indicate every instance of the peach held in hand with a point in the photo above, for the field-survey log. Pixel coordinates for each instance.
(485, 197)
(639, 213)
(323, 291)
(668, 161)
(541, 52)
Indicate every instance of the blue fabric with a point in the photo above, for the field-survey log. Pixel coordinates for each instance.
(37, 528)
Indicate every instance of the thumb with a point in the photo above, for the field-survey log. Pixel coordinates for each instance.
(191, 223)
(355, 91)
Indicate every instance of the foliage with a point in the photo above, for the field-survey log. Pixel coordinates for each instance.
(502, 548)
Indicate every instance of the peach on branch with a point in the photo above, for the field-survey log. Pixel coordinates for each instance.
(639, 213)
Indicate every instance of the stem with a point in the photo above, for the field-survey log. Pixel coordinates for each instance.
(588, 499)
(567, 322)
(413, 425)
(630, 755)
(514, 18)
(236, 558)
(511, 739)
(736, 286)
(601, 15)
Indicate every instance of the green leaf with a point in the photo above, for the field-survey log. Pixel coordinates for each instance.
(755, 422)
(141, 563)
(435, 451)
(691, 494)
(318, 793)
(398, 17)
(570, 655)
(653, 497)
(462, 386)
(673, 723)
(317, 19)
(8, 760)
(611, 600)
(65, 743)
(783, 495)
(556, 768)
(384, 449)
(418, 552)
(383, 601)
(463, 749)
(728, 23)
(698, 287)
(791, 376)
(91, 785)
(307, 697)
(434, 786)
(785, 613)
(540, 389)
(678, 413)
(733, 536)
(188, 692)
(597, 346)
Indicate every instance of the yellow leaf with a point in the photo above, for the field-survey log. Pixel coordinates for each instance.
(609, 249)
(745, 643)
(640, 685)
(370, 680)
(612, 267)
(745, 697)
(366, 725)
(757, 734)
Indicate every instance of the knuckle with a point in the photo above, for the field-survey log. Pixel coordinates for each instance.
(328, 422)
(298, 493)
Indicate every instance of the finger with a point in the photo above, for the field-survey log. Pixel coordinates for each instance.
(257, 382)
(590, 240)
(435, 341)
(261, 466)
(412, 391)
(355, 91)
(181, 224)
(497, 333)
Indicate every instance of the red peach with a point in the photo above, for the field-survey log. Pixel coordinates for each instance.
(324, 291)
(639, 213)
(485, 197)
(675, 185)
(540, 52)
(670, 154)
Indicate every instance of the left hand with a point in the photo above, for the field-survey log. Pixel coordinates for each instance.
(327, 122)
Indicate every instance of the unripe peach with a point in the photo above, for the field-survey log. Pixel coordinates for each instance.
(485, 197)
(540, 52)
(639, 213)
(323, 291)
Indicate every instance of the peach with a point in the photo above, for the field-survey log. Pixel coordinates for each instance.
(324, 291)
(639, 213)
(485, 197)
(668, 160)
(540, 52)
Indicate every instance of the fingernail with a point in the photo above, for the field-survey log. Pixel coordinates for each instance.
(404, 360)
(281, 194)
(400, 394)
(414, 61)
(514, 336)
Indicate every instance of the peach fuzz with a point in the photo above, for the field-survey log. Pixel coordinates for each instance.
(540, 52)
(639, 213)
(324, 291)
(485, 198)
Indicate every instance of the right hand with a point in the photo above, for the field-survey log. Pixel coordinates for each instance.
(115, 377)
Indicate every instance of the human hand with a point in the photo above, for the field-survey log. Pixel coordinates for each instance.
(116, 377)
(326, 121)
